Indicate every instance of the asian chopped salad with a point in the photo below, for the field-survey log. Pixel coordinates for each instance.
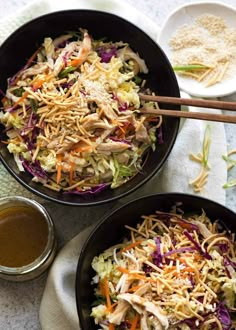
(173, 271)
(73, 115)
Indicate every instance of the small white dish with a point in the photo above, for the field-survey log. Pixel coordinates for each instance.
(186, 15)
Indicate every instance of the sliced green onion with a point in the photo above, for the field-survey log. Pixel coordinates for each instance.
(18, 91)
(230, 184)
(190, 67)
(229, 160)
(137, 80)
(65, 72)
(34, 105)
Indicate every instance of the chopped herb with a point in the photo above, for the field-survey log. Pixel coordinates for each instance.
(137, 80)
(18, 91)
(64, 73)
(34, 105)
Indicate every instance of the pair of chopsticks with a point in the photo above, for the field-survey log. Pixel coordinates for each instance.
(211, 104)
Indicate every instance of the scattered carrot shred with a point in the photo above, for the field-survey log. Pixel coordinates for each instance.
(59, 167)
(76, 62)
(111, 326)
(128, 247)
(109, 309)
(21, 99)
(82, 149)
(123, 270)
(134, 322)
(72, 167)
(134, 288)
(106, 290)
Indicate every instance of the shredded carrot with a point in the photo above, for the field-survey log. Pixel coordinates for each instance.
(182, 260)
(76, 62)
(38, 82)
(72, 166)
(123, 129)
(111, 327)
(59, 167)
(128, 247)
(21, 99)
(32, 57)
(142, 277)
(170, 269)
(4, 99)
(134, 288)
(134, 322)
(106, 290)
(152, 245)
(109, 309)
(82, 149)
(152, 119)
(101, 287)
(188, 269)
(123, 270)
(30, 60)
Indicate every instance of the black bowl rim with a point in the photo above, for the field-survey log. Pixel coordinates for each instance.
(175, 132)
(116, 210)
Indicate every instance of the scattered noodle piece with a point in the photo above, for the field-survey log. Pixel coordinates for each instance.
(200, 181)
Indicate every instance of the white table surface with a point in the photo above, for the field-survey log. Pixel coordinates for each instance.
(19, 302)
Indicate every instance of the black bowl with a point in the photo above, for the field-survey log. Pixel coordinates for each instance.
(21, 45)
(129, 214)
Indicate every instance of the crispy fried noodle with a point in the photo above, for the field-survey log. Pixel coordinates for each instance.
(72, 114)
(173, 272)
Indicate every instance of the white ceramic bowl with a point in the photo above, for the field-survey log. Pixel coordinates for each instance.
(186, 15)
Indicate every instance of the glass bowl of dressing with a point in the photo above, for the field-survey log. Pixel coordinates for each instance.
(27, 239)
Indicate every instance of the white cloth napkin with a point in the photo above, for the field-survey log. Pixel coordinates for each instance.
(58, 308)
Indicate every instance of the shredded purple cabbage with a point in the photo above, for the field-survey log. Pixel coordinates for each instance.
(197, 246)
(124, 326)
(224, 317)
(191, 322)
(160, 135)
(119, 140)
(107, 53)
(92, 191)
(156, 255)
(223, 247)
(180, 250)
(147, 269)
(183, 223)
(192, 281)
(2, 93)
(34, 169)
(229, 262)
(64, 57)
(123, 107)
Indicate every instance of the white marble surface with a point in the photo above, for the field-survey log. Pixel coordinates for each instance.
(19, 302)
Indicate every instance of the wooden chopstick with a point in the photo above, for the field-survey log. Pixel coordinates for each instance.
(191, 115)
(222, 105)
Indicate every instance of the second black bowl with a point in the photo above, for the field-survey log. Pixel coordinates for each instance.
(111, 231)
(161, 79)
